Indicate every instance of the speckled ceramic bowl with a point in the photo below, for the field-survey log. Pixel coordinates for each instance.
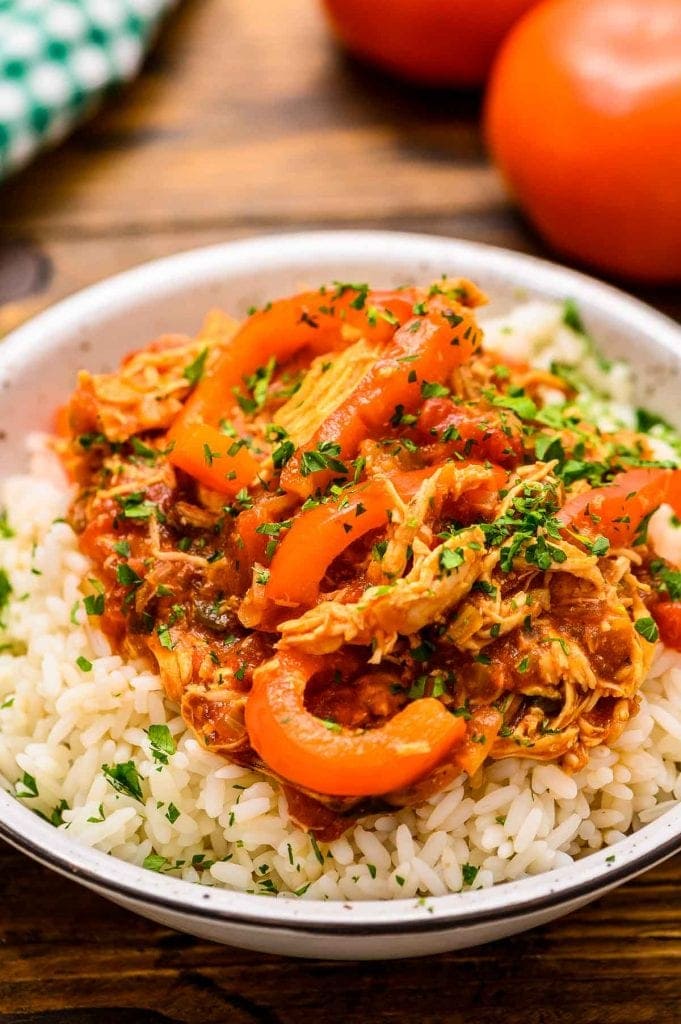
(94, 328)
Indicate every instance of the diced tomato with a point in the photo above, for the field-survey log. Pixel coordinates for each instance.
(478, 431)
(617, 510)
(667, 615)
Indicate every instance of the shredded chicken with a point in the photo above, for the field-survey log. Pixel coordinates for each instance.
(403, 608)
(148, 391)
(465, 585)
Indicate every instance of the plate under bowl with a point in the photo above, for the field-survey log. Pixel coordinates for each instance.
(95, 328)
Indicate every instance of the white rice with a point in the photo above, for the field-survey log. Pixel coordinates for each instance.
(60, 724)
(208, 821)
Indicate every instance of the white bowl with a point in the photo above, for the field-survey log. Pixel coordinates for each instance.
(93, 329)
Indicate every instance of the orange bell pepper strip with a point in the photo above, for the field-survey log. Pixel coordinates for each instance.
(322, 533)
(481, 732)
(423, 351)
(318, 536)
(312, 320)
(270, 508)
(616, 510)
(341, 762)
(215, 460)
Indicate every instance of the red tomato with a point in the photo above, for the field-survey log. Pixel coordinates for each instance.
(584, 119)
(667, 614)
(617, 509)
(436, 42)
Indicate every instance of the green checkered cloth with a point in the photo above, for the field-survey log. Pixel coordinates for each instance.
(57, 58)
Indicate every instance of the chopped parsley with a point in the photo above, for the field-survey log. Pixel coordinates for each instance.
(374, 314)
(433, 389)
(26, 788)
(521, 405)
(164, 637)
(194, 371)
(124, 778)
(94, 603)
(450, 559)
(257, 385)
(127, 576)
(282, 454)
(469, 873)
(548, 447)
(161, 742)
(273, 529)
(5, 589)
(647, 628)
(87, 441)
(133, 506)
(669, 580)
(572, 317)
(56, 817)
(452, 318)
(100, 816)
(323, 457)
(6, 531)
(360, 298)
(600, 546)
(143, 450)
(154, 862)
(317, 852)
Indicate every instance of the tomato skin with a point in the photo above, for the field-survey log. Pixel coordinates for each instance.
(667, 615)
(617, 509)
(583, 117)
(434, 42)
(478, 431)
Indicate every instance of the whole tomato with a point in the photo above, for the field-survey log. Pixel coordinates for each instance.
(435, 42)
(584, 120)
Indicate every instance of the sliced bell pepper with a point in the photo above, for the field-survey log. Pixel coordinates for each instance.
(423, 352)
(318, 536)
(212, 458)
(270, 508)
(617, 510)
(312, 320)
(339, 761)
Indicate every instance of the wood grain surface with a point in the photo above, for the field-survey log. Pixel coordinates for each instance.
(247, 119)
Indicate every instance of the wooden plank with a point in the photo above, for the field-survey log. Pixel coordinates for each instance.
(616, 961)
(247, 111)
(247, 119)
(34, 275)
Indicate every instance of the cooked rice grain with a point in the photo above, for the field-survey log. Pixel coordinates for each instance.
(211, 822)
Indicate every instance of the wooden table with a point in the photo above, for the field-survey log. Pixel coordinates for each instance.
(247, 120)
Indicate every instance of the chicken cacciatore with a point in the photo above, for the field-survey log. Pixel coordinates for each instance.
(366, 553)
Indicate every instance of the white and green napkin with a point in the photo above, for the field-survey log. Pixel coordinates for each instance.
(57, 58)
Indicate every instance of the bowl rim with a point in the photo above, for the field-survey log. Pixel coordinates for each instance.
(595, 873)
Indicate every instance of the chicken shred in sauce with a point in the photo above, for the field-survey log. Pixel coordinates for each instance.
(365, 553)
